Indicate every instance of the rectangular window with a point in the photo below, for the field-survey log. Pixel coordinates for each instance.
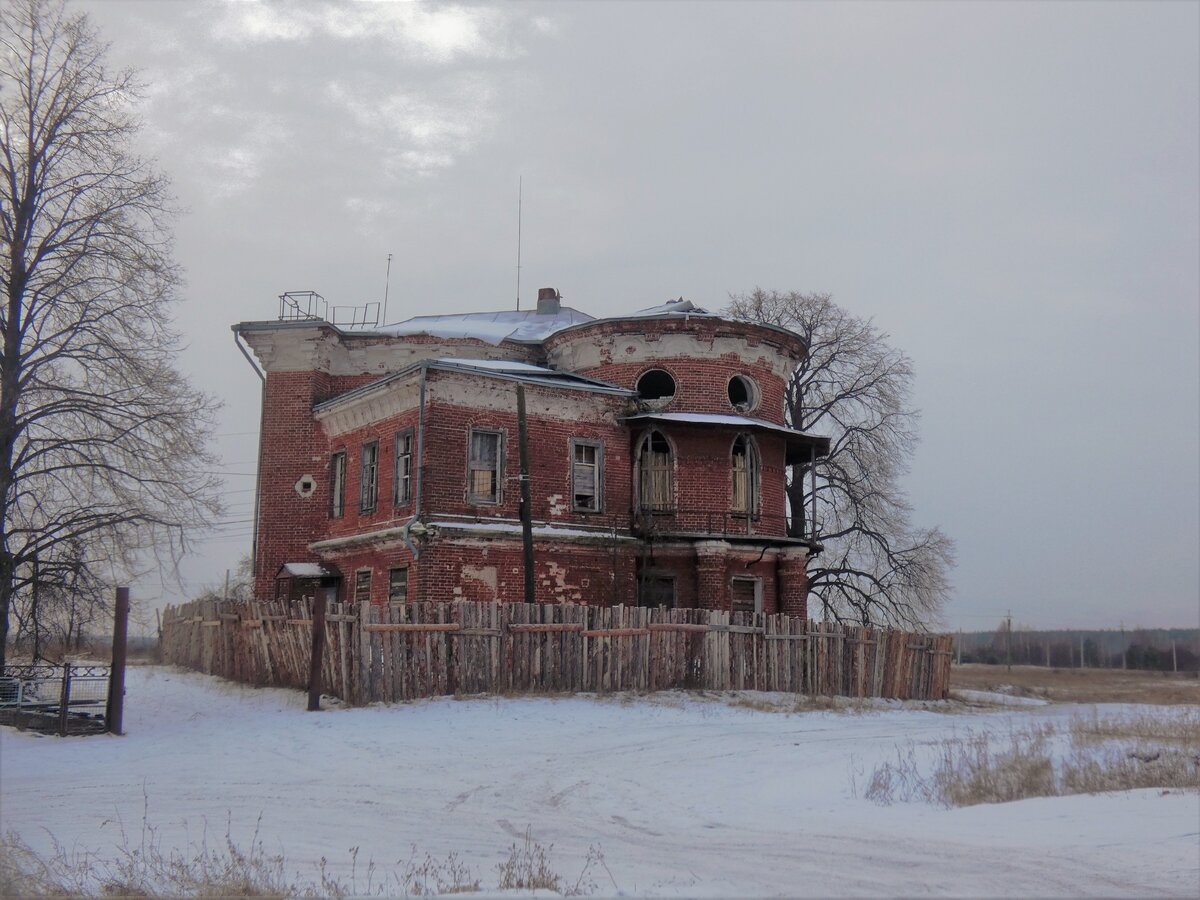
(587, 476)
(337, 485)
(362, 586)
(483, 467)
(368, 485)
(398, 585)
(746, 595)
(404, 448)
(656, 590)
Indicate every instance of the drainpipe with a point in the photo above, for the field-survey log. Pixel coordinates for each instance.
(416, 554)
(262, 412)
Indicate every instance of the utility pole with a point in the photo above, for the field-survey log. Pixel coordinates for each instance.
(1081, 660)
(526, 494)
(1008, 640)
(1123, 647)
(318, 643)
(115, 711)
(33, 611)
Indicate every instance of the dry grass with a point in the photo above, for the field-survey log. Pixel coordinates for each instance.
(225, 869)
(1080, 685)
(1102, 754)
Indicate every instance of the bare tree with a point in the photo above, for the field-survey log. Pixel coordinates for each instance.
(855, 387)
(102, 441)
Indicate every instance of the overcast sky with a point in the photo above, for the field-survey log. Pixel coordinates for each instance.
(1009, 190)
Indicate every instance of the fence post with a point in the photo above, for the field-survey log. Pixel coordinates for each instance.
(115, 711)
(64, 698)
(318, 649)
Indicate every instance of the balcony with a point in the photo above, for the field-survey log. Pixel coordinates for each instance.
(760, 528)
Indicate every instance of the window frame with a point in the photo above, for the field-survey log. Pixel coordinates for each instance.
(368, 487)
(391, 584)
(399, 479)
(752, 474)
(337, 484)
(645, 479)
(497, 495)
(757, 583)
(597, 474)
(753, 393)
(658, 576)
(362, 578)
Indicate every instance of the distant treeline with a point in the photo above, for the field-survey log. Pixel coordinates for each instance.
(1158, 649)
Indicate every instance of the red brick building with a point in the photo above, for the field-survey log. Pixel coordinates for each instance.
(657, 450)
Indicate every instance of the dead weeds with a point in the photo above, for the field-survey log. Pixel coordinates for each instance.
(1080, 685)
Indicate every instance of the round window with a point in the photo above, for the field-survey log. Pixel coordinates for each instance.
(657, 384)
(743, 393)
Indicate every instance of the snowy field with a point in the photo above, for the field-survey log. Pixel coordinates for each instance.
(683, 796)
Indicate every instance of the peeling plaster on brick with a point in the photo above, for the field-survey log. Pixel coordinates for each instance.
(321, 348)
(560, 588)
(390, 401)
(557, 507)
(589, 354)
(485, 575)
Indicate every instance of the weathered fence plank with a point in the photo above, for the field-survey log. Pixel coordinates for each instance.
(406, 651)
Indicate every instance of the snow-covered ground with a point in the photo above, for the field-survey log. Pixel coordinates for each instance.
(684, 796)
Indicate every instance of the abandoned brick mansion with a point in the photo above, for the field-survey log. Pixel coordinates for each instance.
(658, 449)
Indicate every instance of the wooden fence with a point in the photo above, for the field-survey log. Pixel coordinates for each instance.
(409, 651)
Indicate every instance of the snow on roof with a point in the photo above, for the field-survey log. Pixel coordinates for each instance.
(499, 365)
(305, 570)
(490, 327)
(712, 419)
(720, 419)
(678, 307)
(527, 326)
(505, 527)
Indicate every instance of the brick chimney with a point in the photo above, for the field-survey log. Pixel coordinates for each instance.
(548, 302)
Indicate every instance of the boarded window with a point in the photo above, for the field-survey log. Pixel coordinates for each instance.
(655, 490)
(746, 595)
(362, 586)
(403, 489)
(368, 485)
(587, 460)
(656, 590)
(483, 467)
(337, 485)
(745, 477)
(398, 585)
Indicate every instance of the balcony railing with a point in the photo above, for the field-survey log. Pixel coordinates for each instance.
(713, 522)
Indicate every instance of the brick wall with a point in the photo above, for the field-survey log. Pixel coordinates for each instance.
(292, 447)
(295, 445)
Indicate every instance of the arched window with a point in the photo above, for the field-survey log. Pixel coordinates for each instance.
(655, 474)
(745, 477)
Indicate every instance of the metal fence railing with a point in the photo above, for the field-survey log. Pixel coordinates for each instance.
(73, 696)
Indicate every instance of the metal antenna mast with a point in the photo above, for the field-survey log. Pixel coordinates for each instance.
(387, 281)
(520, 188)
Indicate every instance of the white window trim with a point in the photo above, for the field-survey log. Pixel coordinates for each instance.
(476, 499)
(598, 484)
(397, 480)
